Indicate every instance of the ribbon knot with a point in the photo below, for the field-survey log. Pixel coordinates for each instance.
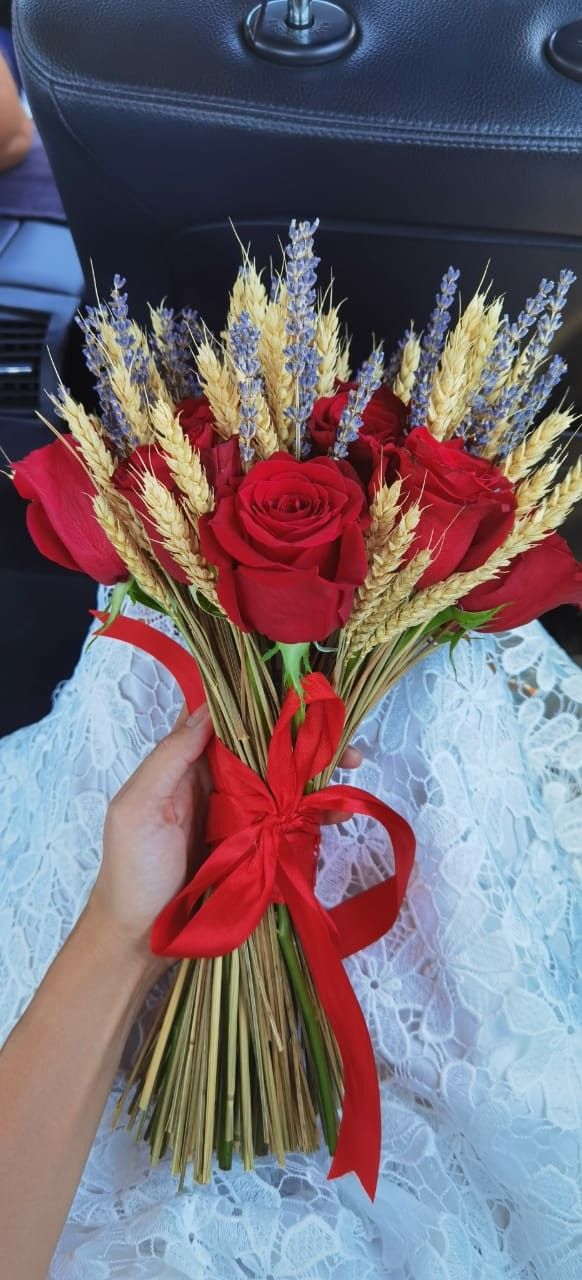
(264, 837)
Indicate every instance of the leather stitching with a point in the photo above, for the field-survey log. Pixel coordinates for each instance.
(392, 129)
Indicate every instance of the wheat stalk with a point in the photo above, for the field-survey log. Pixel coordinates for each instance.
(383, 564)
(327, 343)
(398, 589)
(557, 506)
(383, 512)
(495, 440)
(256, 298)
(526, 532)
(278, 380)
(183, 460)
(220, 389)
(343, 371)
(85, 429)
(403, 384)
(483, 344)
(127, 394)
(129, 551)
(533, 489)
(448, 394)
(265, 439)
(178, 536)
(530, 451)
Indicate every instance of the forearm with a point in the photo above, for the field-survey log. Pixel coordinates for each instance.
(56, 1071)
(15, 127)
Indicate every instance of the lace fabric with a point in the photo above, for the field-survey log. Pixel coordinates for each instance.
(471, 999)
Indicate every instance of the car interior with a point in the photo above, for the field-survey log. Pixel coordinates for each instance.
(420, 134)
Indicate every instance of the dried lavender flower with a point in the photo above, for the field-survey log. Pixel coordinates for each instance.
(301, 355)
(350, 423)
(244, 350)
(432, 345)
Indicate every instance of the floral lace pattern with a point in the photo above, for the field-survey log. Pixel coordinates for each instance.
(471, 1000)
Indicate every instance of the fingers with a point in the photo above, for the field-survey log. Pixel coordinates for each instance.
(351, 759)
(161, 773)
(182, 718)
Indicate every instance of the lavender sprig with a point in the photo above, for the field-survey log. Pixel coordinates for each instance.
(432, 345)
(301, 356)
(536, 401)
(172, 339)
(487, 410)
(114, 419)
(135, 358)
(351, 421)
(549, 324)
(244, 340)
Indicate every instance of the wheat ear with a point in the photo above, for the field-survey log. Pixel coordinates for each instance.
(178, 536)
(530, 452)
(85, 429)
(248, 294)
(126, 393)
(448, 396)
(129, 551)
(399, 588)
(559, 503)
(483, 345)
(533, 489)
(526, 532)
(383, 512)
(278, 380)
(327, 343)
(383, 564)
(344, 371)
(403, 384)
(495, 440)
(184, 461)
(220, 389)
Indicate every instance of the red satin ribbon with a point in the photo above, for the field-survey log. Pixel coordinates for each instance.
(265, 837)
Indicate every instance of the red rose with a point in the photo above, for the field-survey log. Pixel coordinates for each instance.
(197, 421)
(220, 458)
(289, 548)
(467, 505)
(537, 580)
(60, 517)
(222, 464)
(384, 419)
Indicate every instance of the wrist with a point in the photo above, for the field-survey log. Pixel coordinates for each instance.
(129, 956)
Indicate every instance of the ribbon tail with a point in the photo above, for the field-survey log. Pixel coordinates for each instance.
(181, 664)
(358, 1148)
(367, 916)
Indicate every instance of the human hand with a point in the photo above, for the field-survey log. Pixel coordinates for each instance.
(154, 834)
(154, 831)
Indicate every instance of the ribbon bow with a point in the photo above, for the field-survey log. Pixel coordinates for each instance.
(265, 836)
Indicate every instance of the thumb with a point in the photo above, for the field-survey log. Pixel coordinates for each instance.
(162, 771)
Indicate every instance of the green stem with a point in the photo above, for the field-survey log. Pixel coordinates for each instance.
(287, 944)
(223, 1146)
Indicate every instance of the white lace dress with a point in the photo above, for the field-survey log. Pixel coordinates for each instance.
(471, 1000)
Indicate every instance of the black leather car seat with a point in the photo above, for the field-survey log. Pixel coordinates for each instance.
(444, 136)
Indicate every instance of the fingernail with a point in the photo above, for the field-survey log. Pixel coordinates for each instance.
(198, 717)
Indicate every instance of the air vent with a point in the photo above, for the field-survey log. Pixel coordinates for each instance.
(22, 346)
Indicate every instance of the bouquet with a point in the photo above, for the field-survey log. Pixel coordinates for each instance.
(310, 536)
